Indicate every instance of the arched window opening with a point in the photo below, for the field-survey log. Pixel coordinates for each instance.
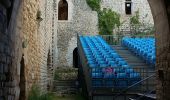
(128, 7)
(63, 10)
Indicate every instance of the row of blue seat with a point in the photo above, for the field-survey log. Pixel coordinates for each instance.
(143, 47)
(105, 62)
(102, 55)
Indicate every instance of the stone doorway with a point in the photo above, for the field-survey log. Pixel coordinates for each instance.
(75, 58)
(22, 80)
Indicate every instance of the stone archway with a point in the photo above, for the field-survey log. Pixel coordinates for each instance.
(22, 84)
(161, 15)
(49, 71)
(75, 58)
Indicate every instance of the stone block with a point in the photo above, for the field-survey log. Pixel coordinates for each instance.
(2, 58)
(1, 68)
(5, 68)
(2, 77)
(1, 47)
(8, 60)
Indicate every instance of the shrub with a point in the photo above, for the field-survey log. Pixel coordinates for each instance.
(134, 20)
(135, 23)
(35, 94)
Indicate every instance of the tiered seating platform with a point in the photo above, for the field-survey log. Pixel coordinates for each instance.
(108, 69)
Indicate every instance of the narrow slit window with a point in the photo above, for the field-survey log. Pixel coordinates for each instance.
(128, 7)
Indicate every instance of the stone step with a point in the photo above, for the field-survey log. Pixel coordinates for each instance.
(133, 60)
(65, 82)
(65, 87)
(137, 64)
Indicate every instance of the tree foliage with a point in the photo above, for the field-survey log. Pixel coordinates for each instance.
(108, 20)
(94, 4)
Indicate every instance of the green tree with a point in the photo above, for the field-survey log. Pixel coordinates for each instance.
(108, 20)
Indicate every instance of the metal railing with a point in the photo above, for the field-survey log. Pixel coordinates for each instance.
(145, 94)
(112, 39)
(135, 84)
(116, 39)
(114, 82)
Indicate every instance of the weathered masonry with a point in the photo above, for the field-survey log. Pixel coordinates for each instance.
(33, 42)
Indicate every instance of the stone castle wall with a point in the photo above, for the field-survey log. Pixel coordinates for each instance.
(23, 37)
(46, 42)
(9, 80)
(82, 20)
(29, 39)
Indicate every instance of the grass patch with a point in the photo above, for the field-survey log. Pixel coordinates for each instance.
(35, 94)
(70, 97)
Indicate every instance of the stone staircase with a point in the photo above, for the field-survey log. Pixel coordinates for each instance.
(65, 87)
(65, 81)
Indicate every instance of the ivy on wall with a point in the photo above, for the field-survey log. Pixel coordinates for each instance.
(94, 4)
(108, 19)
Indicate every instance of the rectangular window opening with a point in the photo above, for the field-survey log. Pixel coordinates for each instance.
(128, 8)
